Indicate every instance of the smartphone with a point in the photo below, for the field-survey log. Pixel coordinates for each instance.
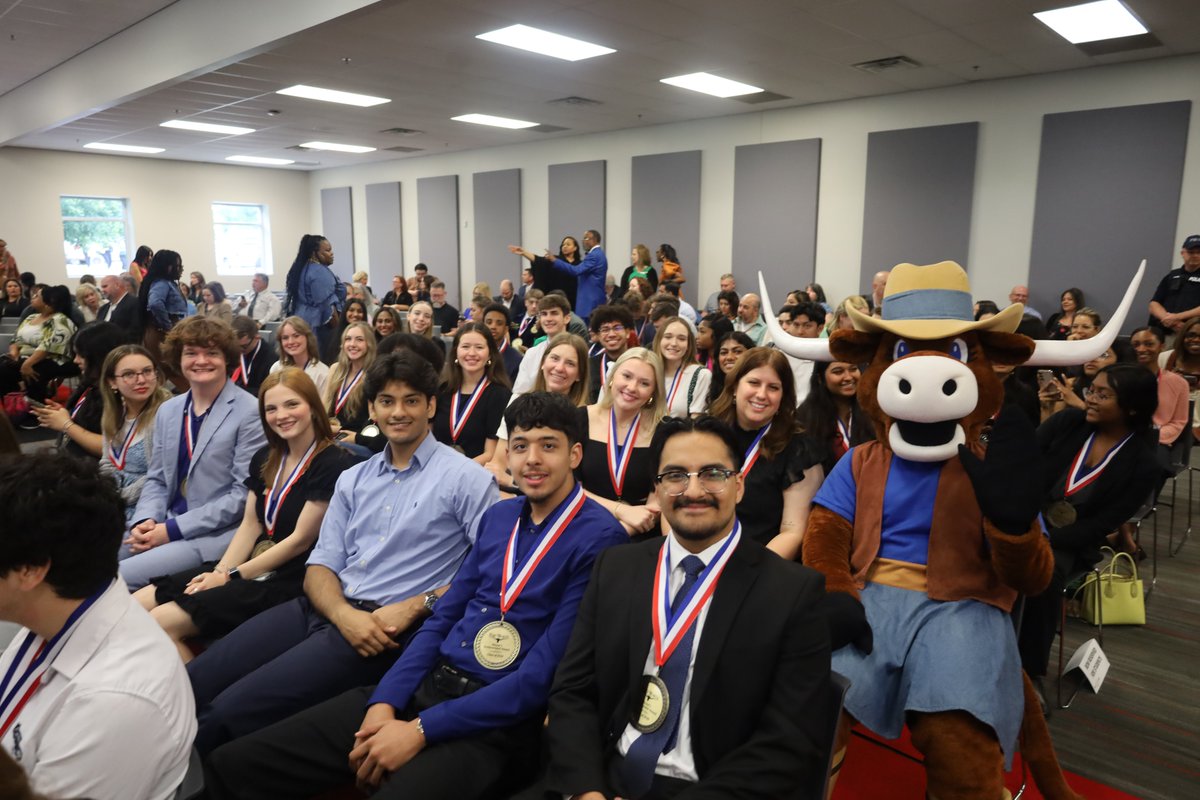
(1044, 378)
(36, 403)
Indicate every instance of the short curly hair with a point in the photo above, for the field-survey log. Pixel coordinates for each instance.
(202, 332)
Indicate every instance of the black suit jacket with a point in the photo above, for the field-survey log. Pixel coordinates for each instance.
(760, 719)
(125, 315)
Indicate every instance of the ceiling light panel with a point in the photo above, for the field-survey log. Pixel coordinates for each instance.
(1092, 22)
(711, 84)
(122, 148)
(205, 127)
(339, 148)
(495, 122)
(546, 43)
(333, 96)
(271, 162)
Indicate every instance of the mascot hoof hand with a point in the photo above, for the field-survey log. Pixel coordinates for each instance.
(847, 622)
(1007, 481)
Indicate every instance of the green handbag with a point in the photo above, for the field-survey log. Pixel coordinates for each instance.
(1116, 591)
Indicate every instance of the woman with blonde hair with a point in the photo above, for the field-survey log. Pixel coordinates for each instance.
(474, 392)
(617, 470)
(298, 348)
(685, 383)
(344, 398)
(420, 321)
(782, 469)
(87, 298)
(841, 317)
(291, 480)
(133, 389)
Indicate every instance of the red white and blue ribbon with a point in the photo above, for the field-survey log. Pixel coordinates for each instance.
(675, 384)
(504, 345)
(34, 658)
(117, 455)
(191, 431)
(79, 403)
(619, 455)
(844, 431)
(457, 421)
(242, 373)
(512, 584)
(1080, 476)
(669, 629)
(752, 453)
(345, 391)
(525, 323)
(277, 494)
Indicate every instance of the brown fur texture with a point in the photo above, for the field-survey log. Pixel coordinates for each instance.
(826, 548)
(1037, 750)
(962, 756)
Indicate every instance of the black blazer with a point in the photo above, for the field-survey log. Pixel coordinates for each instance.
(759, 716)
(124, 316)
(1119, 491)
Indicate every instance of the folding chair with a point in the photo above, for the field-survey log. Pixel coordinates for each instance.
(838, 686)
(1148, 510)
(1062, 630)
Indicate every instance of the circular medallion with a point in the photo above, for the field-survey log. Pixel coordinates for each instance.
(262, 547)
(497, 645)
(656, 702)
(1060, 514)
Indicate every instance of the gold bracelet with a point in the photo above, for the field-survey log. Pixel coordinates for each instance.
(67, 427)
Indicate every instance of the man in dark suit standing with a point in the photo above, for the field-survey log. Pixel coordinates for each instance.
(700, 658)
(122, 306)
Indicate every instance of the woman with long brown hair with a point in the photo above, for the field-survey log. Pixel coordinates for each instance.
(289, 486)
(475, 391)
(298, 347)
(782, 470)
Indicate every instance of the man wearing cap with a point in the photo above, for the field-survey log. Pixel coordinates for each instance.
(1177, 298)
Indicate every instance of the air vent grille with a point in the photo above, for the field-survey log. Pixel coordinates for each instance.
(889, 64)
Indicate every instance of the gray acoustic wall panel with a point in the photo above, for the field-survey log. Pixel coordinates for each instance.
(497, 224)
(920, 182)
(666, 208)
(1108, 189)
(775, 188)
(577, 194)
(437, 226)
(337, 225)
(384, 244)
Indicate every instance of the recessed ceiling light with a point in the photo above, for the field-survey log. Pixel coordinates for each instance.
(205, 127)
(122, 148)
(711, 84)
(536, 40)
(333, 96)
(275, 162)
(341, 148)
(496, 122)
(1091, 22)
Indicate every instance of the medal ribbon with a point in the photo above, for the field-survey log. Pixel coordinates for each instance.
(191, 431)
(344, 392)
(457, 423)
(675, 382)
(510, 587)
(525, 323)
(1079, 477)
(14, 694)
(618, 456)
(504, 345)
(844, 431)
(276, 495)
(79, 403)
(242, 373)
(669, 628)
(752, 453)
(117, 456)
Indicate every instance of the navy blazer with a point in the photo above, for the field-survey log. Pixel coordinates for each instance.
(216, 477)
(591, 273)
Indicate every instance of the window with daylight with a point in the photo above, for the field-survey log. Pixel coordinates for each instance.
(241, 238)
(97, 234)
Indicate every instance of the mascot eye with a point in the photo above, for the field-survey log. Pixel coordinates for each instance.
(959, 350)
(900, 350)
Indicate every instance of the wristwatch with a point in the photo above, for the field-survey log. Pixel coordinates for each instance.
(233, 574)
(430, 601)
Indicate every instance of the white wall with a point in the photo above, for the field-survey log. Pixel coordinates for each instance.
(1010, 113)
(170, 204)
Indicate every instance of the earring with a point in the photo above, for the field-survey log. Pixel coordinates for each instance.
(456, 361)
(650, 402)
(489, 363)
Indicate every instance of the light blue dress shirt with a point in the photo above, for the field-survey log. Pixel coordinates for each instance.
(393, 533)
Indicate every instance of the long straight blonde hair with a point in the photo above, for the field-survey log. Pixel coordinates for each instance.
(341, 370)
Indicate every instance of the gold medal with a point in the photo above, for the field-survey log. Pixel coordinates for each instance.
(262, 547)
(1060, 514)
(656, 702)
(183, 488)
(497, 645)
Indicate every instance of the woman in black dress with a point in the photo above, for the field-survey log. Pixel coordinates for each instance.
(1059, 324)
(616, 470)
(545, 276)
(781, 471)
(474, 393)
(345, 400)
(831, 415)
(290, 483)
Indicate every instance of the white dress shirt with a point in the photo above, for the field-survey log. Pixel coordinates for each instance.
(678, 762)
(267, 307)
(527, 373)
(115, 715)
(315, 369)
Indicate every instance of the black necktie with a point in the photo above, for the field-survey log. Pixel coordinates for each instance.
(250, 310)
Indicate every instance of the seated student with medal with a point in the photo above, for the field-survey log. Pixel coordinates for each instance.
(1099, 466)
(291, 480)
(345, 400)
(398, 526)
(723, 630)
(462, 709)
(194, 494)
(256, 358)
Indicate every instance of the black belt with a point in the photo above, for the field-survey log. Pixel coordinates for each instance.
(365, 605)
(452, 683)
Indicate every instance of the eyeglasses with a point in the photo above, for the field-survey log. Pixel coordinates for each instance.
(130, 376)
(1100, 395)
(611, 329)
(712, 480)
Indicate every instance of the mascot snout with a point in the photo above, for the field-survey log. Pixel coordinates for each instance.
(926, 397)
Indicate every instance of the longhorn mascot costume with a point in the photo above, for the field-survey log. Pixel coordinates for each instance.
(927, 536)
